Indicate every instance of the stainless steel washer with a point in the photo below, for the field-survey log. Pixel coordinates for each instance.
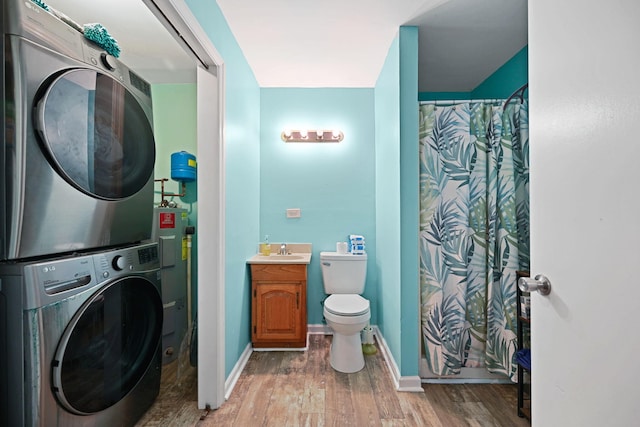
(80, 338)
(78, 152)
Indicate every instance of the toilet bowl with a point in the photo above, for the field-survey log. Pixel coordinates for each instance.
(346, 315)
(345, 311)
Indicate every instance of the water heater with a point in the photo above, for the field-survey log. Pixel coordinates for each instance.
(169, 230)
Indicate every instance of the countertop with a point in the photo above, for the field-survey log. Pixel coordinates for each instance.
(297, 253)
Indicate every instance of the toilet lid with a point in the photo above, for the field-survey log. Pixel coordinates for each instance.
(346, 304)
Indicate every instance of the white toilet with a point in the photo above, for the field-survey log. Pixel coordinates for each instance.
(345, 311)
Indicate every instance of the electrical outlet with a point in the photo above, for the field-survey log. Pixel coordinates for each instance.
(293, 213)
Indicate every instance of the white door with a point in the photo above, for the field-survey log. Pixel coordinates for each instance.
(211, 246)
(584, 92)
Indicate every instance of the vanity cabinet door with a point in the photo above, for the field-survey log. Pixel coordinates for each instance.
(279, 307)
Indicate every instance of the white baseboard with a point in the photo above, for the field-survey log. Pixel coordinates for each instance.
(231, 381)
(406, 383)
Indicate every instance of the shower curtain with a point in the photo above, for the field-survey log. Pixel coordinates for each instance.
(474, 233)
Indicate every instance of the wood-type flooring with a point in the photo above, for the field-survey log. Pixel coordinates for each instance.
(294, 388)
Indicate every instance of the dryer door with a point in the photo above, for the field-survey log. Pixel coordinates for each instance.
(108, 346)
(95, 134)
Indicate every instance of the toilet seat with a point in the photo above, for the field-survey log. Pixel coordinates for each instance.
(346, 305)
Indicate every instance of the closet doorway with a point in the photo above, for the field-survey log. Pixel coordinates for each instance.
(176, 16)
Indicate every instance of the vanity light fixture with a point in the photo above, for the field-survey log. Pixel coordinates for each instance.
(333, 135)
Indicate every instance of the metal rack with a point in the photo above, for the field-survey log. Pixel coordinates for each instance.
(524, 341)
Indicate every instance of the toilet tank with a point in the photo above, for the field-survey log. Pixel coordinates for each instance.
(343, 273)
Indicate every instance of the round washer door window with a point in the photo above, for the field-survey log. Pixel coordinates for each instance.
(96, 134)
(108, 346)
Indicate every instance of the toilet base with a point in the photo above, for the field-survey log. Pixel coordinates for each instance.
(346, 353)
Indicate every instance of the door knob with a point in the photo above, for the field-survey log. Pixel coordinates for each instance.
(540, 283)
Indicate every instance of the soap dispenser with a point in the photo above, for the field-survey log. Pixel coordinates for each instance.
(265, 247)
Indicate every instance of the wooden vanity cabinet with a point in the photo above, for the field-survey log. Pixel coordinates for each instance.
(279, 305)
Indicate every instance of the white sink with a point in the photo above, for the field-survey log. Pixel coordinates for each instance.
(290, 257)
(294, 258)
(300, 254)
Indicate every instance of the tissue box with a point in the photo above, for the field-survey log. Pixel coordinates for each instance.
(356, 244)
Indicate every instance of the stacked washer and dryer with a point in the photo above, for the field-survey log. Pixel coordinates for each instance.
(80, 299)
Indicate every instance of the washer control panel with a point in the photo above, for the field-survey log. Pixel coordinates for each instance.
(63, 275)
(119, 262)
(54, 280)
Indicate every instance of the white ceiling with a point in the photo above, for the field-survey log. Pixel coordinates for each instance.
(329, 43)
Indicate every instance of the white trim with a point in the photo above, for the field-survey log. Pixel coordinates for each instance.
(175, 15)
(235, 373)
(408, 383)
(211, 247)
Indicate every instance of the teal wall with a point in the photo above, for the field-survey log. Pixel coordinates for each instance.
(443, 96)
(332, 183)
(512, 75)
(409, 202)
(242, 177)
(506, 79)
(397, 210)
(387, 115)
(174, 123)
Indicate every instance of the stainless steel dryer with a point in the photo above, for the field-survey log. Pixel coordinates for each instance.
(77, 152)
(80, 338)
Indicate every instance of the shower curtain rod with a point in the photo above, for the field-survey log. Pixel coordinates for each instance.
(519, 93)
(447, 102)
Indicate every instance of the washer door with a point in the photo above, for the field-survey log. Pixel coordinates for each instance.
(108, 346)
(95, 134)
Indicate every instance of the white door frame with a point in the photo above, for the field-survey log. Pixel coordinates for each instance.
(176, 16)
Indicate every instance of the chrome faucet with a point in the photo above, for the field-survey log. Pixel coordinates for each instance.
(283, 249)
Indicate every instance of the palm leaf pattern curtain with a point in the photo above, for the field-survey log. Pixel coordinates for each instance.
(474, 233)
